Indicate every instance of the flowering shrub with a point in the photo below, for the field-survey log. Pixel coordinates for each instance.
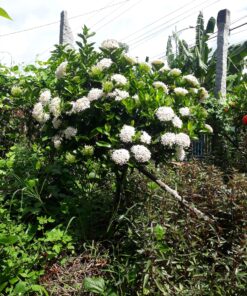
(128, 111)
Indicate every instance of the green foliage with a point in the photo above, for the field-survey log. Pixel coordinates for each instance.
(226, 117)
(50, 193)
(199, 58)
(25, 249)
(4, 14)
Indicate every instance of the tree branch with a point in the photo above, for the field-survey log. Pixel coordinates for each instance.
(175, 194)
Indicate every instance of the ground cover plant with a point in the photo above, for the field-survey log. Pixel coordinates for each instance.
(95, 195)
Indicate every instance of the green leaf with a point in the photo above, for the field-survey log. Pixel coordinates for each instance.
(8, 239)
(3, 285)
(95, 285)
(3, 13)
(40, 289)
(103, 144)
(20, 288)
(159, 232)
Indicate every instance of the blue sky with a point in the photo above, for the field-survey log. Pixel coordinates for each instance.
(118, 22)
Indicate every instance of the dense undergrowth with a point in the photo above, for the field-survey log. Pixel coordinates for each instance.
(150, 245)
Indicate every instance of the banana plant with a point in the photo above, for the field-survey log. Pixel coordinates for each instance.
(199, 59)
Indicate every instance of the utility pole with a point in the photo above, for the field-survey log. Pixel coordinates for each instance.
(223, 24)
(65, 34)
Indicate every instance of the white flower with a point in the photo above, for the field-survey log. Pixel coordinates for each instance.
(104, 64)
(141, 153)
(119, 79)
(180, 153)
(185, 111)
(45, 97)
(120, 156)
(70, 132)
(182, 140)
(110, 44)
(95, 94)
(130, 60)
(126, 133)
(55, 106)
(81, 105)
(120, 94)
(157, 62)
(135, 97)
(177, 122)
(165, 113)
(209, 128)
(145, 66)
(165, 69)
(168, 139)
(180, 91)
(203, 94)
(175, 72)
(145, 138)
(57, 141)
(56, 123)
(159, 84)
(88, 150)
(61, 70)
(191, 80)
(39, 114)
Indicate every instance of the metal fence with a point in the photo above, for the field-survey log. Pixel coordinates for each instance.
(202, 147)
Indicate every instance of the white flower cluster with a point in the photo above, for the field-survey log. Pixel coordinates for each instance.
(81, 105)
(191, 79)
(104, 64)
(170, 139)
(183, 140)
(39, 114)
(55, 107)
(56, 123)
(209, 128)
(119, 79)
(57, 141)
(119, 94)
(180, 91)
(180, 153)
(145, 138)
(175, 72)
(61, 70)
(159, 84)
(110, 44)
(145, 66)
(40, 109)
(120, 156)
(185, 111)
(203, 94)
(164, 69)
(70, 132)
(157, 62)
(165, 113)
(129, 59)
(45, 97)
(177, 122)
(141, 153)
(127, 133)
(95, 94)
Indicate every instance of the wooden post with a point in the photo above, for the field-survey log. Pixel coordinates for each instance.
(223, 24)
(65, 35)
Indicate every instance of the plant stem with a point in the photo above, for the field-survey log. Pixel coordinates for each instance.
(175, 194)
